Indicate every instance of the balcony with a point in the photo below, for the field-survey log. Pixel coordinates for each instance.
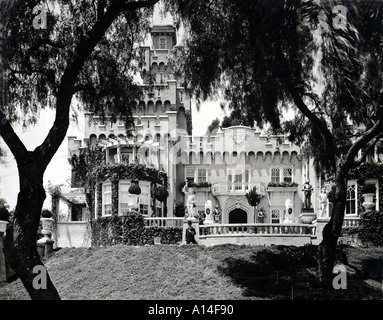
(237, 188)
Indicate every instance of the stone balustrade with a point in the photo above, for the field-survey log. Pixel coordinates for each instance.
(237, 187)
(259, 229)
(163, 222)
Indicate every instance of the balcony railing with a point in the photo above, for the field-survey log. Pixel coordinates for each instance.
(237, 187)
(163, 222)
(263, 229)
(347, 222)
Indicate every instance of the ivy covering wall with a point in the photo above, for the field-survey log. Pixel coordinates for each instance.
(96, 173)
(129, 229)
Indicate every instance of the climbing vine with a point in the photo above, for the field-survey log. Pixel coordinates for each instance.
(129, 229)
(89, 171)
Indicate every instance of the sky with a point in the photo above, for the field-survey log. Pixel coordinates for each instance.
(58, 171)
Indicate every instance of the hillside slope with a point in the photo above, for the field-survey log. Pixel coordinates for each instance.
(148, 272)
(226, 272)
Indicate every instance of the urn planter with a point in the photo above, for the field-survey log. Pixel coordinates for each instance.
(368, 203)
(47, 227)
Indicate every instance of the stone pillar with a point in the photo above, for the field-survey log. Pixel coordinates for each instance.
(48, 249)
(3, 271)
(320, 223)
(41, 248)
(195, 225)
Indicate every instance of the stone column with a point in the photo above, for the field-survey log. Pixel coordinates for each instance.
(3, 273)
(195, 225)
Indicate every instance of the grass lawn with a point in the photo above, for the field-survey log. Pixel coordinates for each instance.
(195, 272)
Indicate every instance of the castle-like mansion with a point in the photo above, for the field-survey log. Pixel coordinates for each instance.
(220, 167)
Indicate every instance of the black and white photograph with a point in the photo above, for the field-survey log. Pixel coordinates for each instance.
(191, 158)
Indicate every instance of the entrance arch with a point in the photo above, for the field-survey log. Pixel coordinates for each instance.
(238, 216)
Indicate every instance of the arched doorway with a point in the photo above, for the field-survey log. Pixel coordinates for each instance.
(238, 216)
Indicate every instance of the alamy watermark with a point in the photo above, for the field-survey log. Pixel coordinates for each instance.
(40, 281)
(40, 19)
(340, 280)
(340, 19)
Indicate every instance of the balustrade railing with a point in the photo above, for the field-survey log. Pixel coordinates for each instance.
(258, 229)
(351, 222)
(236, 187)
(163, 222)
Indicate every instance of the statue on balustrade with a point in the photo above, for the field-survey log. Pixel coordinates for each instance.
(217, 214)
(323, 202)
(307, 190)
(191, 200)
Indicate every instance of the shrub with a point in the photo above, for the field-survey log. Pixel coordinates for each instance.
(253, 197)
(168, 235)
(195, 185)
(161, 193)
(179, 210)
(46, 214)
(371, 228)
(282, 184)
(129, 229)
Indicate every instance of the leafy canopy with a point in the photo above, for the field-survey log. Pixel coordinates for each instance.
(35, 59)
(270, 56)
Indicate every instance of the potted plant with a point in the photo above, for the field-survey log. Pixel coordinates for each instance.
(368, 193)
(134, 187)
(161, 193)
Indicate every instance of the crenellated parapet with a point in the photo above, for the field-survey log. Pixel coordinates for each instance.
(239, 141)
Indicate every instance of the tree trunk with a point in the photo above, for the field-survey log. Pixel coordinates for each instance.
(331, 232)
(21, 236)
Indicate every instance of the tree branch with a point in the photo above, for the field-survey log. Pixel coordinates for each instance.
(370, 146)
(12, 140)
(321, 125)
(67, 83)
(370, 134)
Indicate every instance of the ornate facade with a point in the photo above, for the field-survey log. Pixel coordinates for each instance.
(222, 167)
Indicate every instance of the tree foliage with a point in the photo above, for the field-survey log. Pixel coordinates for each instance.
(267, 56)
(253, 197)
(35, 59)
